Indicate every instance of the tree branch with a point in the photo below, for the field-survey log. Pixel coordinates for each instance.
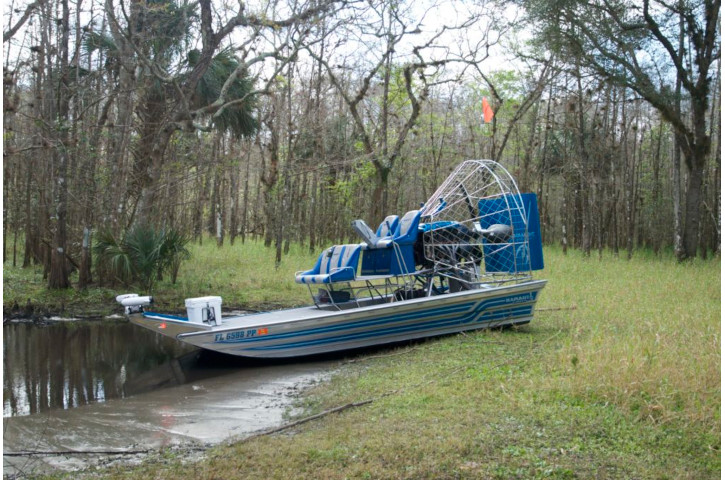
(24, 18)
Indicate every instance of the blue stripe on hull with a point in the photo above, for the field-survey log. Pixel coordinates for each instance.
(357, 324)
(421, 327)
(502, 309)
(436, 313)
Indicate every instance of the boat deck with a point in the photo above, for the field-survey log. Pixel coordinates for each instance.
(292, 314)
(275, 316)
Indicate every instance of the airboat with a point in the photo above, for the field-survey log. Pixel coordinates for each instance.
(463, 261)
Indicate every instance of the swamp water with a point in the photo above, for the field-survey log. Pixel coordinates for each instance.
(109, 385)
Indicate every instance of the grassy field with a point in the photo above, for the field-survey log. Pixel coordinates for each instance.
(244, 275)
(618, 376)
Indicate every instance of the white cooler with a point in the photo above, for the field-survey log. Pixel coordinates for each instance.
(206, 310)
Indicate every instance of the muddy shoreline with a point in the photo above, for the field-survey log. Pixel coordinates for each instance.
(36, 312)
(122, 388)
(169, 424)
(43, 313)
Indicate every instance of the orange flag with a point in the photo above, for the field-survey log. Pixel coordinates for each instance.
(487, 111)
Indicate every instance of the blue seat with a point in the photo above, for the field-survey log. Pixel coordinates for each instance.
(404, 239)
(382, 237)
(336, 264)
(407, 231)
(393, 255)
(388, 226)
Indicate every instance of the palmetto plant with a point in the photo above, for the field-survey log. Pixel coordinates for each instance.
(142, 255)
(173, 252)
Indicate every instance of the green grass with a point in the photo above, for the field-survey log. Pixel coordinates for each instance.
(618, 376)
(25, 292)
(244, 275)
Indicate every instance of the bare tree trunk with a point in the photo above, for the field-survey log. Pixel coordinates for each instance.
(235, 177)
(525, 181)
(629, 174)
(270, 179)
(655, 231)
(634, 195)
(543, 167)
(693, 201)
(89, 187)
(59, 274)
(564, 235)
(219, 228)
(31, 227)
(584, 160)
(245, 209)
(715, 209)
(200, 182)
(314, 203)
(284, 215)
(6, 189)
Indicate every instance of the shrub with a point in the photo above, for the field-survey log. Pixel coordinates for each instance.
(142, 255)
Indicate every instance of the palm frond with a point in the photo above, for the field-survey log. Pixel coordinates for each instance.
(99, 41)
(142, 254)
(237, 118)
(111, 256)
(172, 25)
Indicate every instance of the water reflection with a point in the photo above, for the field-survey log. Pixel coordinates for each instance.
(69, 364)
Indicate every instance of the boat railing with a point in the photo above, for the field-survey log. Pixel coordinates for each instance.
(361, 291)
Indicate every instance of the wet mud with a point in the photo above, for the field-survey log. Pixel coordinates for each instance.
(108, 385)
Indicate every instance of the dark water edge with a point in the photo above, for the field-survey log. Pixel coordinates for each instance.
(108, 385)
(67, 364)
(51, 365)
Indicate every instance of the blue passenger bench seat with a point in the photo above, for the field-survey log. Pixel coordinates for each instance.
(336, 264)
(394, 255)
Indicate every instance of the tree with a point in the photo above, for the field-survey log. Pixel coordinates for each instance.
(27, 13)
(538, 81)
(199, 89)
(403, 62)
(640, 46)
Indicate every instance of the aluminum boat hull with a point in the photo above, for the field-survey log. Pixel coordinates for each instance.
(309, 330)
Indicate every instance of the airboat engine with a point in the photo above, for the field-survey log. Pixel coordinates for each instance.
(479, 228)
(133, 303)
(204, 310)
(496, 233)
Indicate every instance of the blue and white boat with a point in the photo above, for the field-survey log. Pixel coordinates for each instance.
(463, 261)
